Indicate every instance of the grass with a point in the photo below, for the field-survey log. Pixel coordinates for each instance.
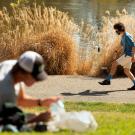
(52, 33)
(113, 119)
(100, 107)
(45, 30)
(105, 38)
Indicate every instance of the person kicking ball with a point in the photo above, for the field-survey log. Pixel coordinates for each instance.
(128, 47)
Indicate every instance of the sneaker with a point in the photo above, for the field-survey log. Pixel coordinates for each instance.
(105, 82)
(132, 88)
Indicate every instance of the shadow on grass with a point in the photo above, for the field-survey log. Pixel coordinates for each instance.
(91, 93)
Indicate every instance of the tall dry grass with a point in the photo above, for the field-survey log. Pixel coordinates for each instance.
(45, 30)
(105, 39)
(51, 33)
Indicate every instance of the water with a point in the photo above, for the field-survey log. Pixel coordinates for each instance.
(90, 11)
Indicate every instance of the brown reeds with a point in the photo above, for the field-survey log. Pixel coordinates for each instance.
(50, 32)
(106, 39)
(44, 30)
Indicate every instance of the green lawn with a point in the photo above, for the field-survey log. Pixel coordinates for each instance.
(113, 119)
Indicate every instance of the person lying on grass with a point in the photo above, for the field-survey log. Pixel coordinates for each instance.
(128, 47)
(29, 69)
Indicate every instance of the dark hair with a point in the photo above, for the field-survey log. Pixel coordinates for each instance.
(119, 26)
(16, 68)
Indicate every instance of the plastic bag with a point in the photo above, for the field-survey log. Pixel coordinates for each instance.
(9, 127)
(57, 108)
(76, 121)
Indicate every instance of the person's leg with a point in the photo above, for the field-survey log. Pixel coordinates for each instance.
(131, 76)
(112, 72)
(127, 67)
(124, 61)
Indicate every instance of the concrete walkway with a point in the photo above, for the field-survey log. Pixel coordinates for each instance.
(83, 88)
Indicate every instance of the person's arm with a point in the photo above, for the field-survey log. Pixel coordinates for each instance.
(26, 101)
(118, 52)
(133, 54)
(131, 43)
(42, 117)
(48, 101)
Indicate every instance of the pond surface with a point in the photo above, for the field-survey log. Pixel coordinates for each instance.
(91, 10)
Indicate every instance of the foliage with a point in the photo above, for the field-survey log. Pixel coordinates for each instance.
(105, 38)
(45, 30)
(28, 27)
(18, 3)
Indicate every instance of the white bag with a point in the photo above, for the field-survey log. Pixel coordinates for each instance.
(76, 121)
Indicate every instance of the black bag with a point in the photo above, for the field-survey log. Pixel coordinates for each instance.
(11, 114)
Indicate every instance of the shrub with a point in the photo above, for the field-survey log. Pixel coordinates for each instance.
(44, 30)
(106, 39)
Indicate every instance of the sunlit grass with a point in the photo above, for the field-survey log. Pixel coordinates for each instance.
(100, 107)
(112, 119)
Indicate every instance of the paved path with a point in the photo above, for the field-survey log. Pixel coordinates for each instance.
(83, 88)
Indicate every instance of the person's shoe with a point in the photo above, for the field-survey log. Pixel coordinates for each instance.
(132, 88)
(105, 82)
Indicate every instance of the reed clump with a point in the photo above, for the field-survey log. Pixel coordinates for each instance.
(59, 52)
(109, 40)
(45, 30)
(106, 40)
(51, 33)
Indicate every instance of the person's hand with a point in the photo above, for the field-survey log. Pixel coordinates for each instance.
(133, 59)
(115, 55)
(47, 102)
(45, 116)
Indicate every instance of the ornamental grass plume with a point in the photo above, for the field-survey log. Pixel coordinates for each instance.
(41, 29)
(58, 50)
(50, 32)
(106, 39)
